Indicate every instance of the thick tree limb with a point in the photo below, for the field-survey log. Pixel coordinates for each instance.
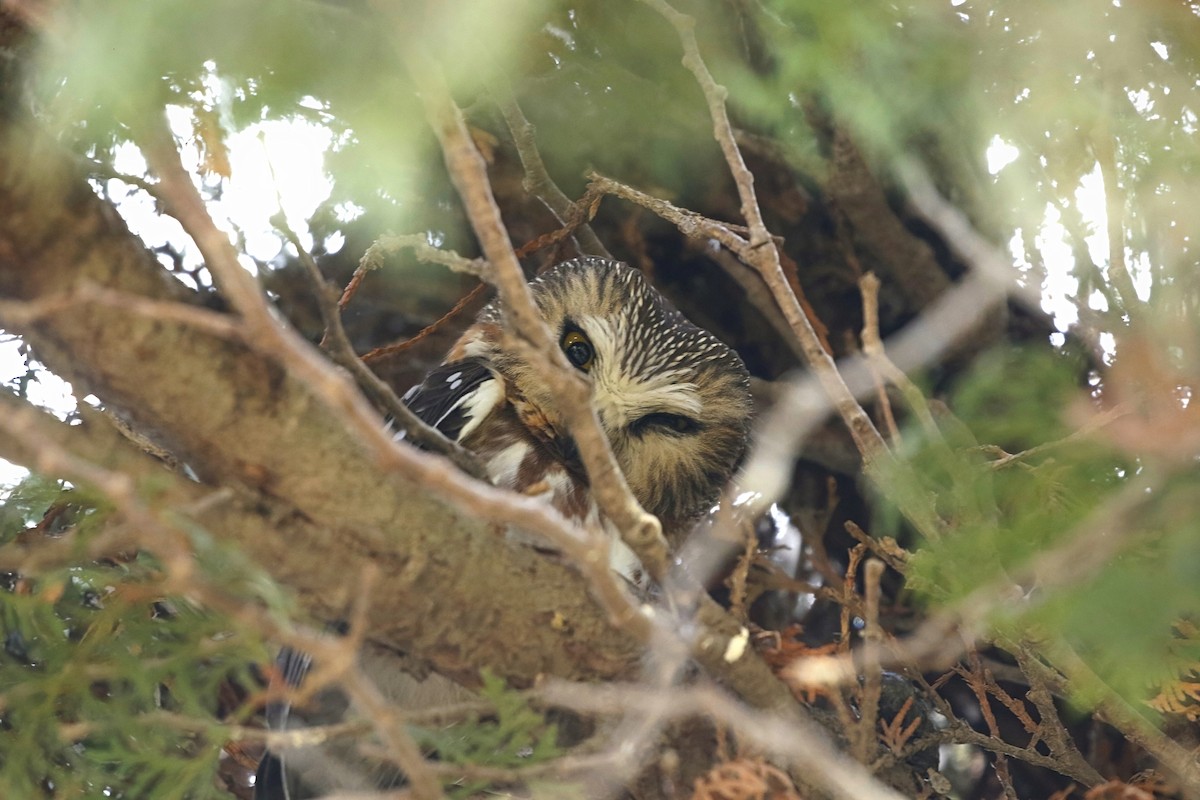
(239, 418)
(323, 489)
(909, 261)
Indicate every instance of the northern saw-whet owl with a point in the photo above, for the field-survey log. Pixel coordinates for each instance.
(673, 399)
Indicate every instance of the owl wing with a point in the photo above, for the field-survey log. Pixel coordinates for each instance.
(455, 397)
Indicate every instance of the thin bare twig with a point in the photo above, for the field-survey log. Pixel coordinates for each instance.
(886, 550)
(559, 768)
(870, 333)
(337, 344)
(22, 422)
(399, 347)
(1094, 423)
(715, 95)
(1051, 728)
(372, 259)
(419, 244)
(216, 730)
(107, 171)
(24, 313)
(798, 743)
(641, 531)
(689, 223)
(401, 747)
(959, 732)
(1116, 711)
(741, 572)
(758, 294)
(763, 254)
(183, 200)
(537, 179)
(864, 735)
(977, 683)
(877, 356)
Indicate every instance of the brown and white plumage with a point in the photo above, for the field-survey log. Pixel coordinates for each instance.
(672, 398)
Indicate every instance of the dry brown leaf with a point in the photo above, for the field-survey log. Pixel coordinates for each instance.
(210, 142)
(485, 143)
(745, 779)
(780, 649)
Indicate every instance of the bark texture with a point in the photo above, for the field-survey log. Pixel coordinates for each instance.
(312, 507)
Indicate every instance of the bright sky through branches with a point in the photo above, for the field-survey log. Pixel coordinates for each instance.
(293, 151)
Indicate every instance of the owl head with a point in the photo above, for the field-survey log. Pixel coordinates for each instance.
(673, 399)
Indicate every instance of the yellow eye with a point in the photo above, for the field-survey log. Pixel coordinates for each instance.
(578, 349)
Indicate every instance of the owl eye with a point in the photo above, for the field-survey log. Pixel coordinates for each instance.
(578, 349)
(675, 424)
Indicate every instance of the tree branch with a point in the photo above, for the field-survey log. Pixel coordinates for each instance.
(641, 531)
(337, 344)
(762, 253)
(321, 487)
(331, 489)
(537, 179)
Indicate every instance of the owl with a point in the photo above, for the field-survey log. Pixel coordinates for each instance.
(673, 400)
